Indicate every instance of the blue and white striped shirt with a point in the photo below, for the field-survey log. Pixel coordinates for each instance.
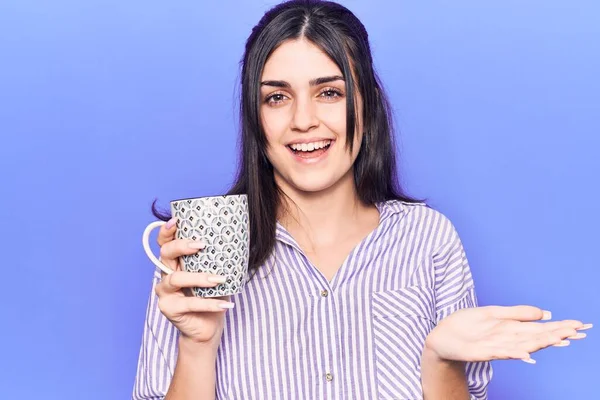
(295, 335)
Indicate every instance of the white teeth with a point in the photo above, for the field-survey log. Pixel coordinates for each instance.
(310, 146)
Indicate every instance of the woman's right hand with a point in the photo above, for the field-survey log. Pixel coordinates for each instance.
(200, 320)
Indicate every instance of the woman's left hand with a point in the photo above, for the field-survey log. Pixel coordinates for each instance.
(494, 332)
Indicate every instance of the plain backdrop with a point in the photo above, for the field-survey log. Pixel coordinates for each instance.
(107, 105)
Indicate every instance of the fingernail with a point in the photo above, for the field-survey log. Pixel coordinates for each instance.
(226, 305)
(562, 343)
(547, 315)
(171, 223)
(577, 336)
(585, 327)
(196, 245)
(529, 360)
(217, 279)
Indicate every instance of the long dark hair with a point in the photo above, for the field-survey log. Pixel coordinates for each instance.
(342, 36)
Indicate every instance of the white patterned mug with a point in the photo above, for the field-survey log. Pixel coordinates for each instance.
(221, 222)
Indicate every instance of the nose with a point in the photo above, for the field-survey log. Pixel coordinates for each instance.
(304, 118)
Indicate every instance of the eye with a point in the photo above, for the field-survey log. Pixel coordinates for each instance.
(330, 93)
(275, 99)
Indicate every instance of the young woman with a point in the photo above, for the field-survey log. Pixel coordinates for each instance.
(358, 291)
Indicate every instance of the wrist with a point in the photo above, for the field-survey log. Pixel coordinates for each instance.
(197, 350)
(195, 372)
(432, 358)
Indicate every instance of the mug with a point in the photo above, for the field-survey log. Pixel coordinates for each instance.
(221, 222)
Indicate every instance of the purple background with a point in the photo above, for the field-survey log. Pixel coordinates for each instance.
(105, 105)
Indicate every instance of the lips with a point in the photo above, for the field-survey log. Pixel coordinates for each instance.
(310, 146)
(310, 152)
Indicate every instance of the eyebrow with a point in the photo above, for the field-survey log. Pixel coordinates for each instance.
(312, 82)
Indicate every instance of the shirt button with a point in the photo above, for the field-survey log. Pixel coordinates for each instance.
(324, 293)
(329, 377)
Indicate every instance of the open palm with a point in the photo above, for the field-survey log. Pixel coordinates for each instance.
(494, 332)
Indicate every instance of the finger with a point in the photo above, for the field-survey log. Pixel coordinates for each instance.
(515, 353)
(537, 327)
(551, 338)
(577, 336)
(520, 313)
(174, 306)
(171, 251)
(564, 324)
(174, 265)
(541, 341)
(586, 327)
(180, 247)
(167, 231)
(198, 304)
(182, 279)
(567, 333)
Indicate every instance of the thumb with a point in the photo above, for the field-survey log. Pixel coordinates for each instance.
(521, 313)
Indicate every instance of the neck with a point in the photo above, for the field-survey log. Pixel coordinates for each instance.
(325, 216)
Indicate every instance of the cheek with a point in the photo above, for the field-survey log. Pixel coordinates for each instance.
(274, 123)
(334, 117)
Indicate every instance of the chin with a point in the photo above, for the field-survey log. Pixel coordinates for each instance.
(310, 180)
(315, 183)
(309, 184)
(311, 188)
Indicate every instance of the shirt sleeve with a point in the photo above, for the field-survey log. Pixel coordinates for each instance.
(158, 352)
(454, 289)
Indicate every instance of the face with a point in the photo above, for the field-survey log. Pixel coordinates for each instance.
(303, 114)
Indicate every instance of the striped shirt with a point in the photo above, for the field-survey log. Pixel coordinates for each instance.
(295, 335)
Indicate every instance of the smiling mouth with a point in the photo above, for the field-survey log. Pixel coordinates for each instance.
(310, 150)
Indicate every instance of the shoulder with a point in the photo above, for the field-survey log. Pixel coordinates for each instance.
(418, 219)
(416, 213)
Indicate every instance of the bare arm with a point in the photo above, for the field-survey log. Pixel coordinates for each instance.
(194, 376)
(443, 379)
(196, 323)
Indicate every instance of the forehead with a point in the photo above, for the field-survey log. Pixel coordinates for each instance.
(299, 61)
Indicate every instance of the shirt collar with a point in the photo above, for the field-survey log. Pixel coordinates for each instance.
(282, 235)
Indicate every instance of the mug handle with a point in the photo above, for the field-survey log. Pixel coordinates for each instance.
(148, 250)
